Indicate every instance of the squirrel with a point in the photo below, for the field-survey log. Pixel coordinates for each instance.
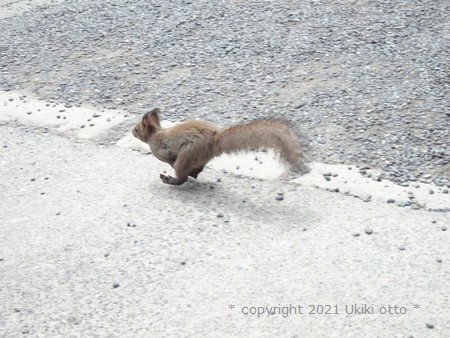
(188, 146)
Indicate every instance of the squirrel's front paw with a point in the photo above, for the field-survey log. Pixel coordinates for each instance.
(164, 178)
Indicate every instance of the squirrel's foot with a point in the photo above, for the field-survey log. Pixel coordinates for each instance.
(172, 180)
(164, 178)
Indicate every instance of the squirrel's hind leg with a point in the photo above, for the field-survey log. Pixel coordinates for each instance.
(183, 168)
(172, 180)
(177, 181)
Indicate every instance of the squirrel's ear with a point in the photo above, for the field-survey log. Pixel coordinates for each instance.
(155, 113)
(151, 119)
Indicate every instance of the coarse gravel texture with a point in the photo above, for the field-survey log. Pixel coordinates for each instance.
(368, 80)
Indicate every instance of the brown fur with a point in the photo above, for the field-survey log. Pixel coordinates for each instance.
(188, 146)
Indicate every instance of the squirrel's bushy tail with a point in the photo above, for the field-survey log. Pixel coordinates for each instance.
(273, 133)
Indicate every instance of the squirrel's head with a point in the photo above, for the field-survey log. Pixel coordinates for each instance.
(149, 124)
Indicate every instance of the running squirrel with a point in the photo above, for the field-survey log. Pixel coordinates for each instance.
(188, 146)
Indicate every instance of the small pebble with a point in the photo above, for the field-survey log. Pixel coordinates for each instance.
(279, 197)
(219, 215)
(368, 231)
(401, 248)
(365, 198)
(183, 263)
(444, 228)
(429, 325)
(355, 233)
(391, 200)
(115, 285)
(415, 206)
(439, 259)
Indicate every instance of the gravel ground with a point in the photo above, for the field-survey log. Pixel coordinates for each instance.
(367, 80)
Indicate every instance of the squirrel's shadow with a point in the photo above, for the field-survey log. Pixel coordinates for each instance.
(215, 198)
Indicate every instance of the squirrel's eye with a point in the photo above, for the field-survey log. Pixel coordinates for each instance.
(136, 129)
